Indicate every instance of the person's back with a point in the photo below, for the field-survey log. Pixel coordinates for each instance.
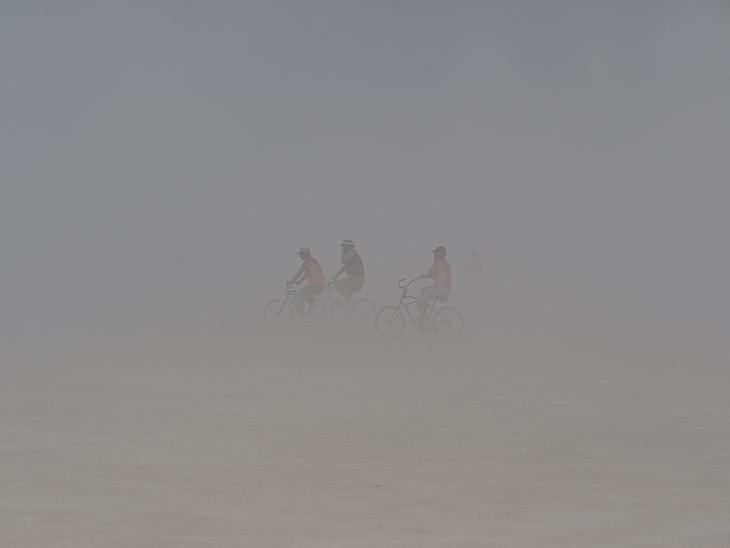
(311, 271)
(440, 272)
(353, 267)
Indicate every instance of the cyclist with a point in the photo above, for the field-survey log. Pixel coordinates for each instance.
(441, 274)
(311, 271)
(353, 267)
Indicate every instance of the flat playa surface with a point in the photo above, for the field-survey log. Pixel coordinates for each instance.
(294, 440)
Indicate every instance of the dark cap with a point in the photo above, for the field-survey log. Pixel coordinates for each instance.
(440, 249)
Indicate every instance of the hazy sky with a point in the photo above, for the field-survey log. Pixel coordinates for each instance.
(163, 161)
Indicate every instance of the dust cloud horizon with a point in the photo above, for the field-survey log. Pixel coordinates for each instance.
(163, 166)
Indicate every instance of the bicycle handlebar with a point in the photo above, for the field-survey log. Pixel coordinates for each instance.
(409, 283)
(290, 289)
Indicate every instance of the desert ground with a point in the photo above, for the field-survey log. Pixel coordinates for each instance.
(307, 438)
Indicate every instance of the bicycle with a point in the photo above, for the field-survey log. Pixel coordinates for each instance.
(359, 314)
(445, 322)
(279, 313)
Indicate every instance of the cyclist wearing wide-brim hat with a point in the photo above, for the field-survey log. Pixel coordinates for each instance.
(311, 271)
(441, 274)
(353, 267)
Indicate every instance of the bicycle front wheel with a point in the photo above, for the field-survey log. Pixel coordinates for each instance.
(278, 313)
(448, 324)
(389, 322)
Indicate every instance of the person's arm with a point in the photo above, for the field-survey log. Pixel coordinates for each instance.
(431, 273)
(295, 279)
(350, 254)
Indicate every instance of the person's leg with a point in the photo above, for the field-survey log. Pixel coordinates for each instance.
(316, 290)
(341, 287)
(347, 287)
(300, 306)
(305, 295)
(421, 311)
(427, 294)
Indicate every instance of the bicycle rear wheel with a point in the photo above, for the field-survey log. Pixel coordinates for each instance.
(324, 313)
(447, 324)
(362, 314)
(389, 322)
(278, 313)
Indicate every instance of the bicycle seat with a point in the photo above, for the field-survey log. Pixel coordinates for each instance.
(443, 298)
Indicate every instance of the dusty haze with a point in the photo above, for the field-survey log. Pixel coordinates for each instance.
(163, 162)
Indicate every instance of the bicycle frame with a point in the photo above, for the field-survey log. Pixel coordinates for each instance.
(336, 298)
(444, 321)
(402, 305)
(293, 296)
(278, 313)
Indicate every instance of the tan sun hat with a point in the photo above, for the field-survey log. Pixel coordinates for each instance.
(304, 251)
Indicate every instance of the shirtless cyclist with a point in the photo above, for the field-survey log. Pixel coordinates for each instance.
(441, 274)
(311, 271)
